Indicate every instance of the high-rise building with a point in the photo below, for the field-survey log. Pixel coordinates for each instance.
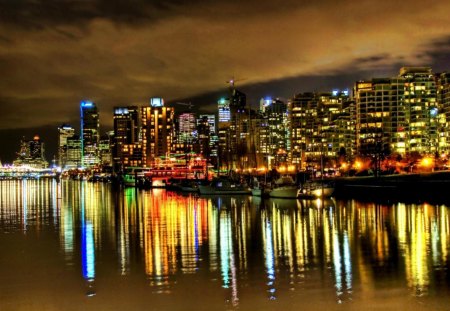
(105, 149)
(233, 131)
(272, 132)
(187, 128)
(157, 130)
(208, 124)
(397, 115)
(64, 132)
(318, 128)
(90, 128)
(126, 132)
(73, 152)
(443, 98)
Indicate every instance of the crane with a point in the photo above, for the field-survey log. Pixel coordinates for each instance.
(190, 105)
(232, 81)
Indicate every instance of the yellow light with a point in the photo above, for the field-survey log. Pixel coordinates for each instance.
(357, 165)
(427, 162)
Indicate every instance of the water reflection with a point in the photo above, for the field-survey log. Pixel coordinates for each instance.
(343, 247)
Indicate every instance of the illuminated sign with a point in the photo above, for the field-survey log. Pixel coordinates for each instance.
(118, 111)
(267, 102)
(156, 102)
(87, 104)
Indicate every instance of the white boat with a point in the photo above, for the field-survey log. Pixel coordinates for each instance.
(284, 188)
(316, 189)
(223, 185)
(259, 189)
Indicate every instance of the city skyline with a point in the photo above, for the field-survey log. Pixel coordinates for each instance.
(55, 55)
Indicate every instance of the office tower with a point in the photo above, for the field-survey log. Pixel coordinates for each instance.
(74, 151)
(105, 149)
(90, 128)
(126, 132)
(397, 115)
(208, 124)
(157, 130)
(64, 132)
(224, 110)
(187, 129)
(233, 131)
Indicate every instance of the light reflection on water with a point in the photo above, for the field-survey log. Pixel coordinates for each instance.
(240, 247)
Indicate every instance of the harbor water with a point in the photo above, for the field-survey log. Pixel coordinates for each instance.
(76, 245)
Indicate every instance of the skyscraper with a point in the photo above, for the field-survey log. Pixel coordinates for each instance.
(64, 132)
(157, 130)
(126, 132)
(90, 127)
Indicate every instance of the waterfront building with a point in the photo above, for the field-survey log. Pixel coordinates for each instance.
(65, 131)
(186, 132)
(397, 115)
(272, 132)
(90, 128)
(207, 137)
(105, 149)
(157, 123)
(126, 124)
(74, 151)
(31, 153)
(443, 98)
(319, 127)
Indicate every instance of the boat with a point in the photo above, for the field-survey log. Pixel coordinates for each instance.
(316, 189)
(224, 185)
(188, 185)
(259, 189)
(285, 188)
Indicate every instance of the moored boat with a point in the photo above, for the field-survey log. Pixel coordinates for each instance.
(285, 188)
(224, 185)
(316, 189)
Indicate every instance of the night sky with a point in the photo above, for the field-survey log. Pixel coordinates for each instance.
(55, 53)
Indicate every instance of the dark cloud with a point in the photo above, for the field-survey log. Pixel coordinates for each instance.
(55, 53)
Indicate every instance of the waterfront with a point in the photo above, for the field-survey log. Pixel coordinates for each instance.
(74, 245)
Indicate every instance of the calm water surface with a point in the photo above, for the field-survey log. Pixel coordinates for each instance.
(83, 246)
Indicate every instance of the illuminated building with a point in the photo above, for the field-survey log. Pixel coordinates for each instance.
(126, 132)
(105, 149)
(272, 132)
(64, 132)
(157, 123)
(186, 132)
(207, 137)
(223, 132)
(320, 127)
(397, 115)
(443, 98)
(73, 152)
(31, 153)
(90, 126)
(233, 131)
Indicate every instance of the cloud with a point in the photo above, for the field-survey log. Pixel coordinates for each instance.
(54, 54)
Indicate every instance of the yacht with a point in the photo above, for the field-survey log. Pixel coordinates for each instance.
(316, 189)
(224, 185)
(285, 188)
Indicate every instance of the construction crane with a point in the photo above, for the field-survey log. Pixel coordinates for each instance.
(189, 105)
(232, 81)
